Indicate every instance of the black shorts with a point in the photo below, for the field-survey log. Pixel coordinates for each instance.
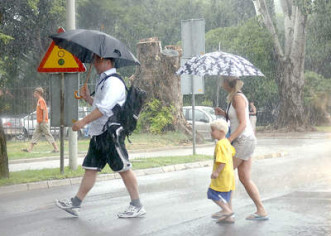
(108, 147)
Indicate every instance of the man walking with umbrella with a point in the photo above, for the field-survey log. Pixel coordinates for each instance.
(109, 92)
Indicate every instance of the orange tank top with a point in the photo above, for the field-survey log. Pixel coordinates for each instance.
(41, 108)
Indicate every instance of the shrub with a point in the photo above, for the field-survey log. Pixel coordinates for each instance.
(155, 117)
(317, 98)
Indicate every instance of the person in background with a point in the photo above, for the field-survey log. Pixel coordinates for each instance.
(243, 139)
(252, 115)
(222, 178)
(42, 127)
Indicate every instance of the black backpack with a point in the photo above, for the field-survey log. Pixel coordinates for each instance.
(128, 114)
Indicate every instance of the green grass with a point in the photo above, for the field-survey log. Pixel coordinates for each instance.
(29, 176)
(138, 141)
(323, 128)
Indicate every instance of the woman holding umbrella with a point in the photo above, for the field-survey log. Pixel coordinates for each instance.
(243, 139)
(231, 67)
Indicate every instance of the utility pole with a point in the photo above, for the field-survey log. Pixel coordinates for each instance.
(71, 24)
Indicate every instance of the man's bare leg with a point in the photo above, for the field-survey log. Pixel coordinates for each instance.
(87, 183)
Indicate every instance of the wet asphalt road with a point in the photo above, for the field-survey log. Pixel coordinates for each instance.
(296, 190)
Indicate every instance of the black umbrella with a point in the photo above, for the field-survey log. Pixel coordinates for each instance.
(84, 43)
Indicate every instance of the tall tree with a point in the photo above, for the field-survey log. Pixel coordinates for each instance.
(290, 57)
(4, 170)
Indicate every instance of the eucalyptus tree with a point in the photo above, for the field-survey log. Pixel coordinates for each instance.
(4, 170)
(290, 56)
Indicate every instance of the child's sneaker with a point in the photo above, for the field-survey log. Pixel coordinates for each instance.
(132, 212)
(67, 205)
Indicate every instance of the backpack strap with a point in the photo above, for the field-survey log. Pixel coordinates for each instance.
(111, 75)
(119, 77)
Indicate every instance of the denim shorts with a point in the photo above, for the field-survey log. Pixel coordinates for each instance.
(219, 196)
(245, 147)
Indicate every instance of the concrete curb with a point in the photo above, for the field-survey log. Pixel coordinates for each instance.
(106, 177)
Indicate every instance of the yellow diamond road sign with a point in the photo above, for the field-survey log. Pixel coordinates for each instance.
(58, 59)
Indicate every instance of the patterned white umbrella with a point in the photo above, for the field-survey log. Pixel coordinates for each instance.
(219, 63)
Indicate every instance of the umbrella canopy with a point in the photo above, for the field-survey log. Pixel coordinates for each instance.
(219, 63)
(84, 43)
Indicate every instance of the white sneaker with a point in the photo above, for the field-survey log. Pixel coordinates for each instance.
(132, 212)
(67, 206)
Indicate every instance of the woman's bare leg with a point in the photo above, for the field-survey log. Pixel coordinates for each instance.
(244, 173)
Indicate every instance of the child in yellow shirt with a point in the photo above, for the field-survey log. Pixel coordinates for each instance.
(222, 177)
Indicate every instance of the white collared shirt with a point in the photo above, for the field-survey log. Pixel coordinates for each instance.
(108, 93)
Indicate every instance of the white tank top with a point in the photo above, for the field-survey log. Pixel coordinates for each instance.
(234, 121)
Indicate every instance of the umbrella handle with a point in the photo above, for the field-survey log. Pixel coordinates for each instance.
(76, 95)
(76, 92)
(85, 84)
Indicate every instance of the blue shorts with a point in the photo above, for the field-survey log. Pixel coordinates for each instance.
(219, 196)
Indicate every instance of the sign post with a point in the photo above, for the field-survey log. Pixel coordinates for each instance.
(58, 60)
(193, 43)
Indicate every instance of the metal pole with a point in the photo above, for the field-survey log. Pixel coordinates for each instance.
(62, 125)
(193, 95)
(71, 24)
(193, 115)
(71, 19)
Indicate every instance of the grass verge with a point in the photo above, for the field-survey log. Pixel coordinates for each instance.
(323, 128)
(138, 141)
(29, 176)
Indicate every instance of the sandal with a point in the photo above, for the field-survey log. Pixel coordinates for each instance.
(225, 218)
(257, 217)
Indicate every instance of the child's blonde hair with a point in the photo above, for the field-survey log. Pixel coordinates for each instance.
(221, 125)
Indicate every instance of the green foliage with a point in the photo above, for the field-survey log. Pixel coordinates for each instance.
(207, 103)
(253, 42)
(224, 13)
(5, 38)
(317, 94)
(309, 6)
(318, 49)
(28, 23)
(156, 117)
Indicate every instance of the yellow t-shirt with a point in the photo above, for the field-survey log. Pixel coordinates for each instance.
(223, 153)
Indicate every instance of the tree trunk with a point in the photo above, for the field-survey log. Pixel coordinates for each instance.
(290, 87)
(156, 75)
(4, 171)
(290, 77)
